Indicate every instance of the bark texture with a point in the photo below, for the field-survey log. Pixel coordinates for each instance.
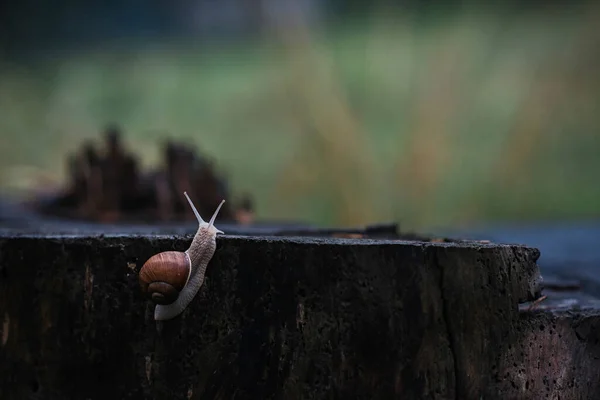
(286, 318)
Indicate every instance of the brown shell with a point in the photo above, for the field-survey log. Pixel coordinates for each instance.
(164, 275)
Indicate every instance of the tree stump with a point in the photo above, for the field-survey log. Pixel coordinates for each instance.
(287, 318)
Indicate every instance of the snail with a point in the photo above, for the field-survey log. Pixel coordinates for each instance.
(172, 278)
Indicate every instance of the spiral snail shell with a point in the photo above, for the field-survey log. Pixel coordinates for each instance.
(167, 276)
(172, 278)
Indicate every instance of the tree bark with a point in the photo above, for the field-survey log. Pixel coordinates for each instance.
(285, 318)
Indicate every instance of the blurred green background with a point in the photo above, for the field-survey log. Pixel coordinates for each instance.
(427, 115)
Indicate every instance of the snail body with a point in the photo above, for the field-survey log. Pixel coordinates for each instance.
(173, 278)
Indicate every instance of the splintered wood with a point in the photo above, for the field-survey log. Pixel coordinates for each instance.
(107, 185)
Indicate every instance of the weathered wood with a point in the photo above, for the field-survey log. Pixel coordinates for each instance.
(284, 318)
(105, 184)
(554, 355)
(569, 250)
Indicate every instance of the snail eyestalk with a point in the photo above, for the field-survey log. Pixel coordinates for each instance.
(212, 220)
(198, 217)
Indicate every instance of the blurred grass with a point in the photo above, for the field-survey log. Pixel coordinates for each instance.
(472, 117)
